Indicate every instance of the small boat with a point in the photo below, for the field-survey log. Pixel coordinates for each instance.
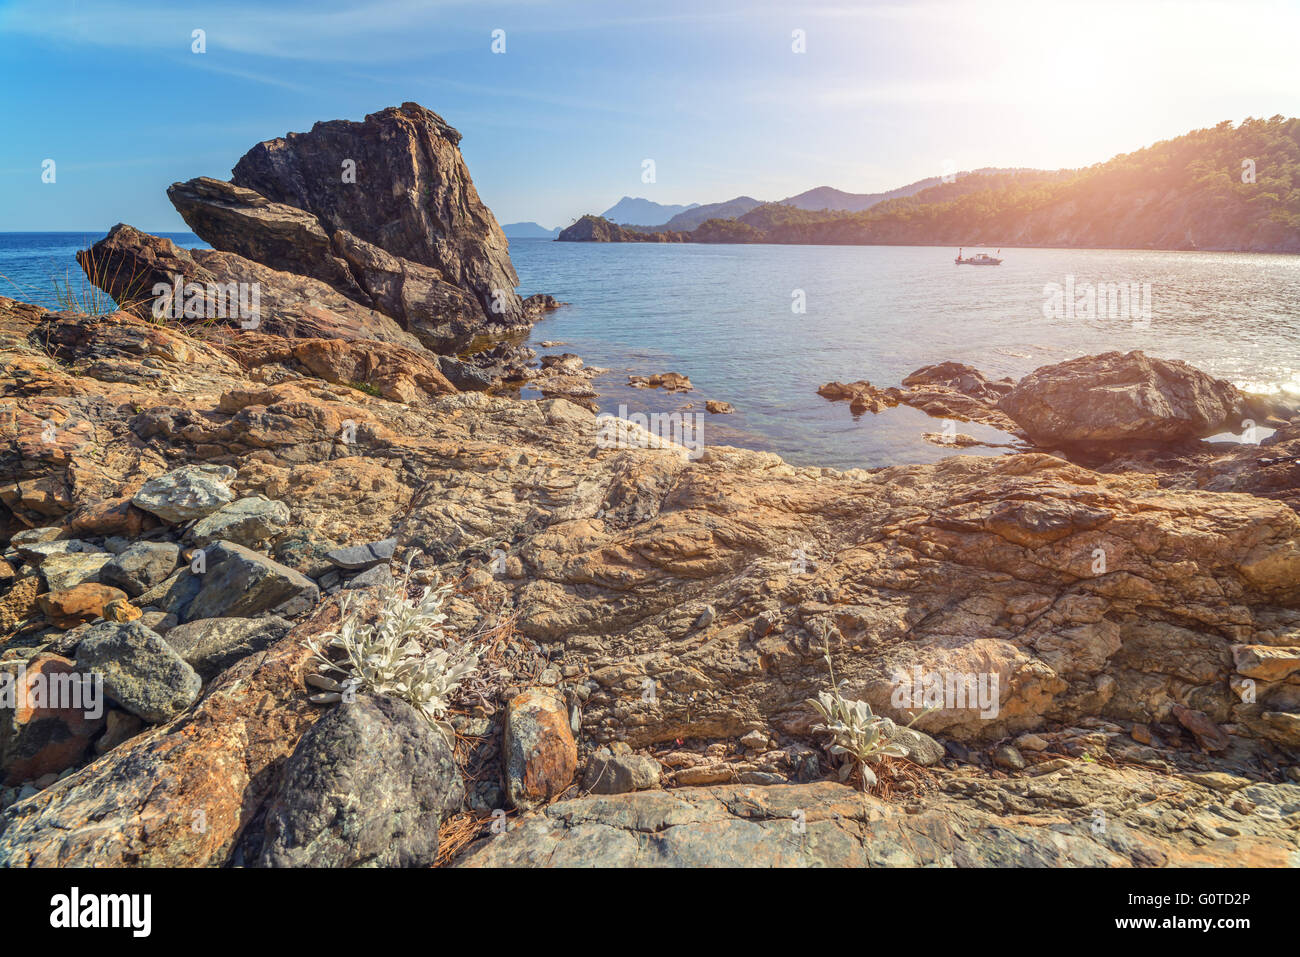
(982, 259)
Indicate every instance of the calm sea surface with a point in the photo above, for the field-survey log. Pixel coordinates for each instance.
(722, 315)
(33, 264)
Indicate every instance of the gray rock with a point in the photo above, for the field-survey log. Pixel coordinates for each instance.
(36, 552)
(141, 672)
(921, 748)
(242, 583)
(360, 557)
(141, 566)
(620, 773)
(304, 555)
(172, 595)
(465, 377)
(186, 493)
(159, 621)
(367, 785)
(1008, 758)
(210, 645)
(246, 521)
(73, 568)
(117, 544)
(378, 575)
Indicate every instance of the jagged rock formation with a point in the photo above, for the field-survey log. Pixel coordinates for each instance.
(139, 271)
(354, 230)
(413, 195)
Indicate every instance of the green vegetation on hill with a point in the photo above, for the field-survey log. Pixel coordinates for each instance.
(1191, 192)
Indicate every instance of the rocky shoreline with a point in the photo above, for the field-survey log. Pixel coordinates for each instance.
(192, 503)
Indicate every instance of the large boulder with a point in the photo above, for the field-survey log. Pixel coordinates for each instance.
(1122, 397)
(242, 221)
(411, 196)
(366, 786)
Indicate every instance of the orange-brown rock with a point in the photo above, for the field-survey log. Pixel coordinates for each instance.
(81, 603)
(45, 733)
(541, 756)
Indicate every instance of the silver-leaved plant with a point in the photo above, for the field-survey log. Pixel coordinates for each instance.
(401, 650)
(857, 736)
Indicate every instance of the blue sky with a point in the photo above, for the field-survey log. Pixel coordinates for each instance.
(559, 125)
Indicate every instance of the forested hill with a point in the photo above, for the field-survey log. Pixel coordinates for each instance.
(1225, 188)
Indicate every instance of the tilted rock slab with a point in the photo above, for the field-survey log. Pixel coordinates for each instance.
(1025, 822)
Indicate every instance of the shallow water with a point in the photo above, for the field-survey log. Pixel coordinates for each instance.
(723, 316)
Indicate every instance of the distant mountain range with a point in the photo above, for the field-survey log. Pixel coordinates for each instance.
(646, 215)
(633, 211)
(1225, 188)
(529, 230)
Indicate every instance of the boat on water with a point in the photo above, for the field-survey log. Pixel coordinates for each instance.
(980, 259)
